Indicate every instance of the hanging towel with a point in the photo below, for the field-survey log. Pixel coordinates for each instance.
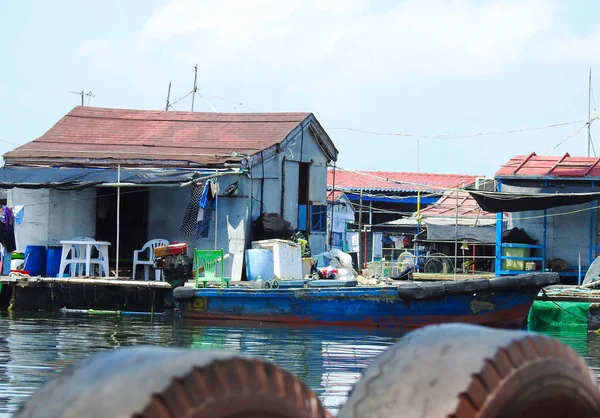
(19, 212)
(189, 226)
(206, 195)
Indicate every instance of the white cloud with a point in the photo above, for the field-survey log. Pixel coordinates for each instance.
(340, 37)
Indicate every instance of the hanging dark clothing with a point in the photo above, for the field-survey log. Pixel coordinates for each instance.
(189, 226)
(7, 237)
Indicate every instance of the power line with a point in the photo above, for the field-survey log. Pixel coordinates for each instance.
(571, 135)
(206, 101)
(230, 101)
(458, 136)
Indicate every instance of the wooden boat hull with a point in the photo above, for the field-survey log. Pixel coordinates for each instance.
(385, 307)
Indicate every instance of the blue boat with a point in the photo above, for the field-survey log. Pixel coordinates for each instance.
(501, 301)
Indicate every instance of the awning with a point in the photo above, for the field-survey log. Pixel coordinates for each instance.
(80, 178)
(481, 234)
(355, 197)
(518, 202)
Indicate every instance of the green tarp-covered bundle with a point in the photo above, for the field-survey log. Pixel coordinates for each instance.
(545, 314)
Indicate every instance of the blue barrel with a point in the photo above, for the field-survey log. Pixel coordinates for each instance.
(259, 262)
(53, 261)
(35, 260)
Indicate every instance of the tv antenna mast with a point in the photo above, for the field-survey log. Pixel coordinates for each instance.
(83, 95)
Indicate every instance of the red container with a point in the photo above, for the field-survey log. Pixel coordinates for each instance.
(171, 249)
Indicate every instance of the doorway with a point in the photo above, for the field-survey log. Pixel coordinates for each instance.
(133, 225)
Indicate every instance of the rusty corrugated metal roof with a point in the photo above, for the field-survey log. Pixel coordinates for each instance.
(88, 135)
(397, 181)
(542, 166)
(452, 202)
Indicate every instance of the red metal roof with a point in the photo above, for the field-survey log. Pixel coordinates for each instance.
(534, 165)
(447, 207)
(397, 181)
(88, 135)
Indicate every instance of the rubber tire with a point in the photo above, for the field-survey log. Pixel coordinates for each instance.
(183, 292)
(466, 371)
(157, 382)
(524, 281)
(467, 286)
(421, 291)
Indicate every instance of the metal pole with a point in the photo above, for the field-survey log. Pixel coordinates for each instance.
(589, 112)
(118, 218)
(456, 236)
(168, 97)
(360, 205)
(195, 88)
(332, 209)
(216, 212)
(82, 94)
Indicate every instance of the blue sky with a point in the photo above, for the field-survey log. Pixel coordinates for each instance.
(422, 67)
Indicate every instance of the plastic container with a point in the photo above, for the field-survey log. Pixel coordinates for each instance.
(306, 266)
(35, 260)
(259, 264)
(514, 264)
(53, 261)
(16, 261)
(287, 257)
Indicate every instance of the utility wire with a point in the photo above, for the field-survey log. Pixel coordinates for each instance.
(459, 136)
(571, 135)
(206, 101)
(178, 100)
(230, 101)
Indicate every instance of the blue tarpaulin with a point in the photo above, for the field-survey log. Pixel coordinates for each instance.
(80, 178)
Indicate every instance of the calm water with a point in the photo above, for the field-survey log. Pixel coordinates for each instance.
(329, 360)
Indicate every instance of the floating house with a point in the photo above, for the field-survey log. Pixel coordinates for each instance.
(379, 198)
(70, 178)
(341, 215)
(554, 201)
(454, 226)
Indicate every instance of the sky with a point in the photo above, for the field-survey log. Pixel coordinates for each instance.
(431, 73)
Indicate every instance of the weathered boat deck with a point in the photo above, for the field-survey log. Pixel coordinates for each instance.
(44, 281)
(51, 294)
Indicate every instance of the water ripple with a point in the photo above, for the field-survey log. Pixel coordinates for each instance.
(328, 360)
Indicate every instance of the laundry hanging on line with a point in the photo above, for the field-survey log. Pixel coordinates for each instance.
(198, 214)
(207, 201)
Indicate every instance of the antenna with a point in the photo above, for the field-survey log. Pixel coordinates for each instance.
(80, 93)
(83, 94)
(195, 89)
(89, 95)
(168, 97)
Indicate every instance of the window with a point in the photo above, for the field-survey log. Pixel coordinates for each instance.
(318, 218)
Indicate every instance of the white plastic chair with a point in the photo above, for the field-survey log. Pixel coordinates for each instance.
(149, 261)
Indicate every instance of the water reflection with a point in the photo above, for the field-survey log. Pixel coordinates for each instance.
(329, 360)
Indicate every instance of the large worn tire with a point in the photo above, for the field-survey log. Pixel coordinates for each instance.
(523, 281)
(464, 371)
(421, 291)
(467, 286)
(152, 382)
